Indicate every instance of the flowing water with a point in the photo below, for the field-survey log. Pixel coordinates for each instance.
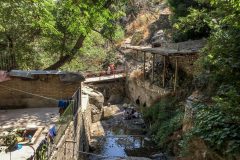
(124, 138)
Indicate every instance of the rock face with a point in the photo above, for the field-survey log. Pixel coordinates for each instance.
(190, 110)
(197, 147)
(115, 99)
(96, 113)
(96, 100)
(113, 92)
(188, 116)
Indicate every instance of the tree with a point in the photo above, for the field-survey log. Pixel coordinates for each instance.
(55, 29)
(21, 22)
(188, 19)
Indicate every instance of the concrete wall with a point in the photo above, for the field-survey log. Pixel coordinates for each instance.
(46, 85)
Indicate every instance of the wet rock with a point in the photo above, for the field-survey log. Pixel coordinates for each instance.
(135, 125)
(125, 105)
(93, 144)
(159, 156)
(96, 113)
(137, 158)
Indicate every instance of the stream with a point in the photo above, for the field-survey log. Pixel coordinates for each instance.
(125, 139)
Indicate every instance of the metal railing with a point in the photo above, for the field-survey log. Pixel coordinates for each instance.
(68, 115)
(103, 75)
(63, 122)
(43, 152)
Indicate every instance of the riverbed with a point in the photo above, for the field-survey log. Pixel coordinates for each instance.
(122, 139)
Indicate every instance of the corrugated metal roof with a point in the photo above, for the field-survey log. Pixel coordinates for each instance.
(173, 49)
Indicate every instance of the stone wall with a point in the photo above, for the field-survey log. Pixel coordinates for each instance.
(146, 93)
(114, 92)
(185, 63)
(46, 85)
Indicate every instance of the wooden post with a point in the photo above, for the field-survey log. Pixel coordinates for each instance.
(164, 70)
(176, 71)
(153, 62)
(144, 65)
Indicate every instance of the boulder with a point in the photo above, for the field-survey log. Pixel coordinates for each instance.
(110, 111)
(96, 98)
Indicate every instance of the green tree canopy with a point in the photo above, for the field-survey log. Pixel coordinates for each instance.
(57, 29)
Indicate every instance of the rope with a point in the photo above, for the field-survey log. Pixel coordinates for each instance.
(29, 93)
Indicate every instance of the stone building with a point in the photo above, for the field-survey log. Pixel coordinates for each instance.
(28, 89)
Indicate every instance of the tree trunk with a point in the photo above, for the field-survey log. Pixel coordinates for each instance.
(69, 57)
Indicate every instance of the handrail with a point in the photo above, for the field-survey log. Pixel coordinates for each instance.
(90, 74)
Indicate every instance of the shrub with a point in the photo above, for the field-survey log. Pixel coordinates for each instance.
(164, 118)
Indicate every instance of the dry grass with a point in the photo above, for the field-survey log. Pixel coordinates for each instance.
(141, 23)
(136, 74)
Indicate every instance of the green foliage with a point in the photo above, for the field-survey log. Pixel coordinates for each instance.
(193, 26)
(189, 19)
(42, 32)
(217, 123)
(167, 128)
(96, 53)
(180, 7)
(164, 118)
(10, 141)
(218, 129)
(21, 22)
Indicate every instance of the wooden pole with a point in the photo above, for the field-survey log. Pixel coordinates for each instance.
(144, 65)
(176, 71)
(153, 62)
(164, 70)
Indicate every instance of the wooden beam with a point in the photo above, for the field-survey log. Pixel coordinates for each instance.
(165, 51)
(175, 77)
(144, 65)
(164, 70)
(153, 62)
